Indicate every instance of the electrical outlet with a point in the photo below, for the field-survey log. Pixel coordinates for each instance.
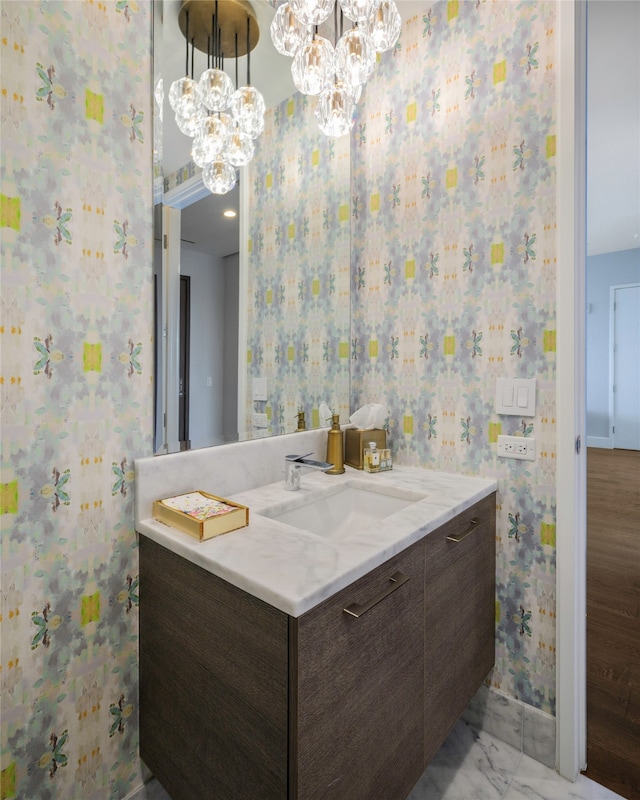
(517, 447)
(260, 420)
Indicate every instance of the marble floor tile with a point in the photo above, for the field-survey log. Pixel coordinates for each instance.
(470, 765)
(534, 781)
(497, 714)
(474, 765)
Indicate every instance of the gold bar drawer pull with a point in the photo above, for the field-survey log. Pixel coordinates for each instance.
(358, 609)
(458, 537)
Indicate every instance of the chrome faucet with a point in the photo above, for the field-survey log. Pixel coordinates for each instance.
(293, 466)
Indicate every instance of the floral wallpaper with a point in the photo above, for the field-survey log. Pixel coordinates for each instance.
(298, 321)
(453, 281)
(445, 241)
(76, 391)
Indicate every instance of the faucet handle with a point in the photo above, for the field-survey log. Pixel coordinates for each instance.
(303, 461)
(297, 458)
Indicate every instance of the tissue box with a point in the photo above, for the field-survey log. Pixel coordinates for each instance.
(355, 440)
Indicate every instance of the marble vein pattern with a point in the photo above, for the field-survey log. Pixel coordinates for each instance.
(522, 726)
(294, 569)
(468, 765)
(473, 765)
(220, 470)
(535, 781)
(497, 714)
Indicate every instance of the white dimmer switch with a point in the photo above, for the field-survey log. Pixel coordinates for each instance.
(516, 396)
(259, 388)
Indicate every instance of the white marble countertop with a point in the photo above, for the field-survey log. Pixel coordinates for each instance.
(294, 570)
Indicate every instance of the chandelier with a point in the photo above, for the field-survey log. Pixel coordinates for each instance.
(335, 71)
(223, 123)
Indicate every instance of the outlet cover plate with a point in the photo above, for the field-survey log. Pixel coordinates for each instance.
(519, 447)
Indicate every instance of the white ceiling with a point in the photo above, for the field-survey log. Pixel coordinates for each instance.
(613, 122)
(204, 228)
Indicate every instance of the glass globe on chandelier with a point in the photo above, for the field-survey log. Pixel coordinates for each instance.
(334, 73)
(222, 121)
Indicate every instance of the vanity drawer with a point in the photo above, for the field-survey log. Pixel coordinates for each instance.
(461, 536)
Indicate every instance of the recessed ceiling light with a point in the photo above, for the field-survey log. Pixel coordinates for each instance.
(230, 213)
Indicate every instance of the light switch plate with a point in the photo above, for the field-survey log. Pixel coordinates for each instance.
(259, 388)
(516, 396)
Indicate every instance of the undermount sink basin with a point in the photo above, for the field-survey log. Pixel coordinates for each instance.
(345, 511)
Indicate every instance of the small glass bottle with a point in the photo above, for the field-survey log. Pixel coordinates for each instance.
(371, 458)
(385, 459)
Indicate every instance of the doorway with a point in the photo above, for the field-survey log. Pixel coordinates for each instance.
(612, 392)
(184, 358)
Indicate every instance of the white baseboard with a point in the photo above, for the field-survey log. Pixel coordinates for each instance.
(605, 442)
(132, 794)
(141, 780)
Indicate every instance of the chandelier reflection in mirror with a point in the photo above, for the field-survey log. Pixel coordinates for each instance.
(335, 73)
(223, 123)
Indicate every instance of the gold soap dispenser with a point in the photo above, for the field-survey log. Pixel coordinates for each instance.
(335, 447)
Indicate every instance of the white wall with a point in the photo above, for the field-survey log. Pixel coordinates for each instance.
(207, 345)
(603, 271)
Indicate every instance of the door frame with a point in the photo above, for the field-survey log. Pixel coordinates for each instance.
(612, 346)
(571, 391)
(184, 362)
(170, 322)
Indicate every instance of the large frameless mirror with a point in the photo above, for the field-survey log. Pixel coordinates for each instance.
(252, 310)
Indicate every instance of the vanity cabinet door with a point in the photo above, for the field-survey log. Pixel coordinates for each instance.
(460, 568)
(213, 683)
(356, 688)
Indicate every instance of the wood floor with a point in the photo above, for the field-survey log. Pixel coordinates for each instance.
(613, 620)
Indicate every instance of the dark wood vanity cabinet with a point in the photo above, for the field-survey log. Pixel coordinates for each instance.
(239, 701)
